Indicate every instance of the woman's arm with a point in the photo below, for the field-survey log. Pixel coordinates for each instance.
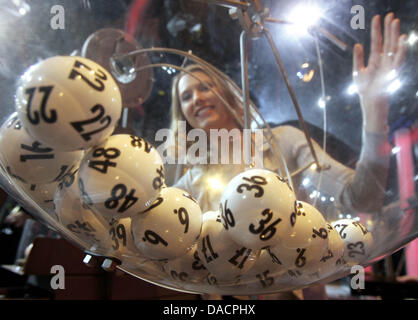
(363, 189)
(387, 54)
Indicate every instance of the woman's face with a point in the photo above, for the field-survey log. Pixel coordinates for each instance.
(200, 106)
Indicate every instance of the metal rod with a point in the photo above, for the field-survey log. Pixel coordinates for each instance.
(340, 44)
(279, 21)
(246, 95)
(244, 77)
(227, 3)
(298, 171)
(292, 93)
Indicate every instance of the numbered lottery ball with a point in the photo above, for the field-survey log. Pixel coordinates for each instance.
(169, 227)
(68, 103)
(224, 259)
(265, 272)
(302, 260)
(332, 259)
(43, 195)
(309, 228)
(309, 235)
(123, 244)
(358, 241)
(121, 177)
(187, 268)
(256, 207)
(78, 219)
(30, 161)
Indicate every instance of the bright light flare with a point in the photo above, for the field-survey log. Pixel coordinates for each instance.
(412, 38)
(304, 16)
(394, 86)
(215, 184)
(352, 89)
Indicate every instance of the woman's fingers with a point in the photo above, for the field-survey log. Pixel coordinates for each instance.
(376, 39)
(358, 59)
(394, 35)
(387, 33)
(401, 52)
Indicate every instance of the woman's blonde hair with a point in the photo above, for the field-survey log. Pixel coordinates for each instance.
(224, 89)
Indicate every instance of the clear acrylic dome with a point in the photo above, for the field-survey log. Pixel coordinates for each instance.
(86, 89)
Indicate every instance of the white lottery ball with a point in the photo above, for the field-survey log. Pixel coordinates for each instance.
(81, 221)
(265, 272)
(332, 259)
(298, 259)
(255, 208)
(30, 161)
(224, 259)
(358, 241)
(121, 177)
(187, 268)
(122, 241)
(68, 102)
(309, 228)
(43, 195)
(170, 227)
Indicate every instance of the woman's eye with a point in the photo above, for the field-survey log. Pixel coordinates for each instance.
(185, 97)
(205, 87)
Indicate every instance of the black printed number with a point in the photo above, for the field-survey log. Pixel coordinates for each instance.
(340, 228)
(358, 251)
(265, 280)
(37, 152)
(35, 117)
(118, 193)
(363, 229)
(182, 276)
(207, 245)
(103, 165)
(158, 181)
(227, 217)
(256, 182)
(197, 264)
(239, 253)
(100, 76)
(139, 142)
(87, 201)
(154, 238)
(118, 233)
(183, 217)
(266, 232)
(103, 119)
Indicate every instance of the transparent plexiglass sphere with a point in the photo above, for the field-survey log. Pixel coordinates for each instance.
(328, 183)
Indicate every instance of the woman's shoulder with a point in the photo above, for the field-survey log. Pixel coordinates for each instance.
(286, 135)
(284, 129)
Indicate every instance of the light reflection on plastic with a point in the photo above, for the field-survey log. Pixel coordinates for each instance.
(391, 75)
(394, 86)
(352, 89)
(215, 184)
(412, 38)
(395, 150)
(303, 17)
(306, 182)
